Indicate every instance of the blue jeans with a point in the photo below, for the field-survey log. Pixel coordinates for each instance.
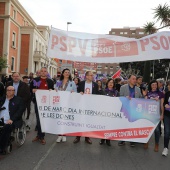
(166, 130)
(157, 133)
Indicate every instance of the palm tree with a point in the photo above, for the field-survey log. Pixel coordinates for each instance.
(150, 28)
(162, 14)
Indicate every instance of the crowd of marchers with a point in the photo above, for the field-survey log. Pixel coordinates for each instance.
(17, 93)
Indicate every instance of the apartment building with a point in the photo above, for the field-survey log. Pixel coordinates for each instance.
(130, 32)
(22, 41)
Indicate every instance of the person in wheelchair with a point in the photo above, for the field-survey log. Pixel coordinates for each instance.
(11, 110)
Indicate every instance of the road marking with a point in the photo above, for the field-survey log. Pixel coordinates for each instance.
(44, 157)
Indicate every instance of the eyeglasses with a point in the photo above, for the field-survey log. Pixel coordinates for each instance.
(10, 90)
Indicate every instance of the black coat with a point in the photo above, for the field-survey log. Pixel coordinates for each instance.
(166, 101)
(82, 86)
(23, 91)
(50, 83)
(1, 89)
(16, 109)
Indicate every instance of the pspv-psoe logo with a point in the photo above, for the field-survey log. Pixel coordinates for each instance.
(103, 47)
(44, 99)
(56, 99)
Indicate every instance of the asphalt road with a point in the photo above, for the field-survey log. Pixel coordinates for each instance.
(82, 156)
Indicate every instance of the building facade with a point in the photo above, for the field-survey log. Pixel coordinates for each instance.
(22, 41)
(82, 67)
(130, 32)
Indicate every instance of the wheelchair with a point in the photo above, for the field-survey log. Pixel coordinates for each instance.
(18, 135)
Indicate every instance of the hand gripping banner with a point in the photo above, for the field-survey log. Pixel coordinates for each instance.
(115, 118)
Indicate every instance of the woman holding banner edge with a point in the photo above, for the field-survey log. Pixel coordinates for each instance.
(155, 94)
(112, 92)
(65, 84)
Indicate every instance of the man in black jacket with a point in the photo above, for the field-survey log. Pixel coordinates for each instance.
(87, 87)
(11, 112)
(21, 88)
(1, 89)
(42, 83)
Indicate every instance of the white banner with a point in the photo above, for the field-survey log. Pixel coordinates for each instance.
(115, 118)
(84, 47)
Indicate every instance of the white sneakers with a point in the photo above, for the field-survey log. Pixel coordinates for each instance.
(165, 152)
(64, 139)
(61, 138)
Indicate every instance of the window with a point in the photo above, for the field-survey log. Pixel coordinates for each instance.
(121, 33)
(60, 61)
(39, 46)
(111, 67)
(14, 14)
(141, 33)
(36, 48)
(14, 40)
(12, 64)
(106, 67)
(99, 67)
(35, 66)
(133, 33)
(125, 33)
(43, 49)
(113, 32)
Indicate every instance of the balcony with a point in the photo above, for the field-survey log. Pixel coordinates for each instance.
(39, 55)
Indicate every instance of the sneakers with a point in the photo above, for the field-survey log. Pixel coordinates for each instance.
(64, 139)
(165, 152)
(61, 139)
(156, 148)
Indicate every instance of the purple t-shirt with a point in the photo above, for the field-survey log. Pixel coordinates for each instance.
(155, 94)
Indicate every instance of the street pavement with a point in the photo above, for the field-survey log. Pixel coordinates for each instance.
(81, 156)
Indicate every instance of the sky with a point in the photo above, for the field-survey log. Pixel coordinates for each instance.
(92, 16)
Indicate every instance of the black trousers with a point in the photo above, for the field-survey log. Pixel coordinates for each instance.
(28, 108)
(5, 135)
(39, 132)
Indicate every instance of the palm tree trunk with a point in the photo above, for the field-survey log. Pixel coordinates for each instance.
(163, 26)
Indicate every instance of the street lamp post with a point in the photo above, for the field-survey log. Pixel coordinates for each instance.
(68, 24)
(153, 75)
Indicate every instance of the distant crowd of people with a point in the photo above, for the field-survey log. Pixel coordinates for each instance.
(16, 95)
